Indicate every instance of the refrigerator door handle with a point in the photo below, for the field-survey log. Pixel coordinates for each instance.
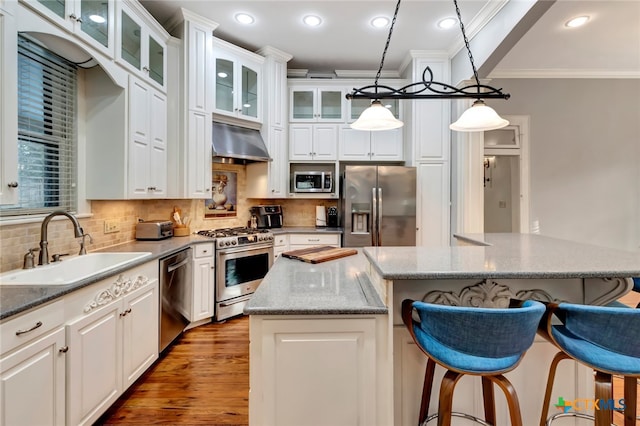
(379, 217)
(374, 217)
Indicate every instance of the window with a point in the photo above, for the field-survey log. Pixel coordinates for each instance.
(47, 143)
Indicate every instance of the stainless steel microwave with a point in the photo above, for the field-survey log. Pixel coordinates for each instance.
(312, 182)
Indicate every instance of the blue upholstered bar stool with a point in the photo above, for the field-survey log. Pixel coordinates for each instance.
(604, 338)
(484, 342)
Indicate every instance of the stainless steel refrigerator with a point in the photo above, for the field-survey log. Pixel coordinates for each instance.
(378, 206)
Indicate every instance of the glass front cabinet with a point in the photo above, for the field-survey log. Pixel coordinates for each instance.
(238, 85)
(91, 20)
(312, 104)
(141, 47)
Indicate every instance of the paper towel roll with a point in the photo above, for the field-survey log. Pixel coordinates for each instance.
(321, 216)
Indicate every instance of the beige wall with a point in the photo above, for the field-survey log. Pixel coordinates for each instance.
(15, 240)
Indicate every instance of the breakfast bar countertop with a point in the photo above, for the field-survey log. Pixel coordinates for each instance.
(503, 255)
(336, 287)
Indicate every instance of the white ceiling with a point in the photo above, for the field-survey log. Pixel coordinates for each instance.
(608, 46)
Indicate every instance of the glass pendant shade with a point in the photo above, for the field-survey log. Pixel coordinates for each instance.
(479, 118)
(376, 117)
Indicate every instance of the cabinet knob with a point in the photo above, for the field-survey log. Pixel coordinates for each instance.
(12, 184)
(63, 350)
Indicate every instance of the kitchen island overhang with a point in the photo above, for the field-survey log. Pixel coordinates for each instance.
(350, 362)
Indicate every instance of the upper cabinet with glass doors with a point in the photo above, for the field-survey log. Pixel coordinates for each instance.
(238, 78)
(141, 43)
(91, 20)
(311, 104)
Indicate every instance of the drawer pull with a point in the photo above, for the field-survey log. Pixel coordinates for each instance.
(313, 239)
(63, 350)
(124, 314)
(38, 325)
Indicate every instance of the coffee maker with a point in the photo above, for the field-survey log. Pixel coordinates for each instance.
(332, 217)
(267, 216)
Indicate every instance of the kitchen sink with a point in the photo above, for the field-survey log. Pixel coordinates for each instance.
(71, 270)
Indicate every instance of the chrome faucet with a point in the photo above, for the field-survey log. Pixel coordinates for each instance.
(43, 258)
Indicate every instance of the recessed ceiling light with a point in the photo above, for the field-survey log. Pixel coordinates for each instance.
(97, 19)
(312, 20)
(577, 22)
(245, 18)
(222, 74)
(380, 22)
(447, 23)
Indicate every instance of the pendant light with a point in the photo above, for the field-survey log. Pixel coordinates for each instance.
(479, 117)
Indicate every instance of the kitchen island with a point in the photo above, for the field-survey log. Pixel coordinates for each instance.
(320, 358)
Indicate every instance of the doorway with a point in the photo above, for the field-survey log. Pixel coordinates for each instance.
(506, 177)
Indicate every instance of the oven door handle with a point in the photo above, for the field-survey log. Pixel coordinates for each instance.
(178, 265)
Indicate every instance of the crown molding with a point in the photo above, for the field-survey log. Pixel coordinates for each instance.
(563, 73)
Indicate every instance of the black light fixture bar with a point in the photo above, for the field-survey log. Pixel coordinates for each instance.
(427, 88)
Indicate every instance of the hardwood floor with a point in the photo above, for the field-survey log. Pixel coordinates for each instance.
(202, 380)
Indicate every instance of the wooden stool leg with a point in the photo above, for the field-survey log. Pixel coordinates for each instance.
(630, 399)
(445, 403)
(426, 390)
(512, 398)
(604, 392)
(547, 393)
(489, 401)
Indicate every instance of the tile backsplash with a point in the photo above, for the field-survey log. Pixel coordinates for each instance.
(16, 240)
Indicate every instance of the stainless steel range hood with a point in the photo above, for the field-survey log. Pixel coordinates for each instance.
(237, 143)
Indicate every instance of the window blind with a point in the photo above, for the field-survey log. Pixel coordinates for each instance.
(47, 97)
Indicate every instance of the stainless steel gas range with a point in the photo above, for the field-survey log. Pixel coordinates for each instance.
(243, 258)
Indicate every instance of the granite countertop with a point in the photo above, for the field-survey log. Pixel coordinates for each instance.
(339, 286)
(504, 256)
(19, 298)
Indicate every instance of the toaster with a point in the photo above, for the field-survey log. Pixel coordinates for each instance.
(154, 230)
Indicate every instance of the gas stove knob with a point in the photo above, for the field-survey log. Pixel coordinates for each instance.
(227, 243)
(220, 244)
(270, 237)
(234, 242)
(260, 238)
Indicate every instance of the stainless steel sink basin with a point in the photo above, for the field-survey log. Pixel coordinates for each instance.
(71, 270)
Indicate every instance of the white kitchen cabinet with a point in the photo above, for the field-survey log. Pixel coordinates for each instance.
(313, 142)
(147, 167)
(111, 342)
(301, 366)
(280, 244)
(360, 145)
(300, 241)
(32, 368)
(141, 43)
(270, 179)
(238, 82)
(313, 104)
(202, 305)
(191, 83)
(90, 20)
(9, 108)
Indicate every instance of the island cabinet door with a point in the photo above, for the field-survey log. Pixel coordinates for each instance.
(529, 380)
(314, 372)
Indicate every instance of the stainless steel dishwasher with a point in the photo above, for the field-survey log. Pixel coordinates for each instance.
(175, 295)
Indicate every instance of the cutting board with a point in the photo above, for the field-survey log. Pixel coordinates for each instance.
(319, 254)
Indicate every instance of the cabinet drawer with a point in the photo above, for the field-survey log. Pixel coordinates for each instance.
(314, 239)
(280, 240)
(30, 325)
(203, 250)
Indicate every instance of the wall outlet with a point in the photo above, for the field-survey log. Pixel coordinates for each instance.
(111, 226)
